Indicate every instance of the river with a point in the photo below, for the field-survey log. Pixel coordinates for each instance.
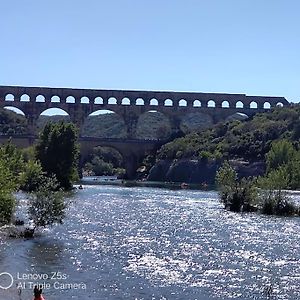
(150, 243)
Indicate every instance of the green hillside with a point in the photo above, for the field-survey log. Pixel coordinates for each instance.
(249, 140)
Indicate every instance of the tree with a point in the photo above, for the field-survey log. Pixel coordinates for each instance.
(58, 152)
(46, 206)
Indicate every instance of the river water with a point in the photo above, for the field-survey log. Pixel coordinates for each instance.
(147, 243)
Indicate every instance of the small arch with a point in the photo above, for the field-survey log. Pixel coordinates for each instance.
(168, 102)
(267, 105)
(197, 103)
(84, 99)
(253, 104)
(55, 99)
(14, 109)
(211, 103)
(40, 98)
(125, 101)
(98, 100)
(239, 104)
(182, 102)
(279, 104)
(154, 102)
(139, 101)
(9, 97)
(225, 104)
(70, 99)
(112, 100)
(25, 98)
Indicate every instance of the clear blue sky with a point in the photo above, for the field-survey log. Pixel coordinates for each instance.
(231, 46)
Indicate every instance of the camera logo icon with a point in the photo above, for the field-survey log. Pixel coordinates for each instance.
(6, 280)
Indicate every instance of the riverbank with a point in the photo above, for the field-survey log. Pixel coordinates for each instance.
(110, 180)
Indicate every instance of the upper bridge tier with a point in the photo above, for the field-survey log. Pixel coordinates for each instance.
(91, 97)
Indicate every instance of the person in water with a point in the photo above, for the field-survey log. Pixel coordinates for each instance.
(38, 293)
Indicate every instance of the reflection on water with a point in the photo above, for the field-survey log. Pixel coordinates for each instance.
(142, 243)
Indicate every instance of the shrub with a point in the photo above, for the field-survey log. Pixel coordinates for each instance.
(46, 204)
(236, 195)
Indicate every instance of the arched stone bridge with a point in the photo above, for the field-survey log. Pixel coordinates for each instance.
(130, 105)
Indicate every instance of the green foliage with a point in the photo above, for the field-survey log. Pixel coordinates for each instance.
(105, 161)
(283, 166)
(281, 152)
(237, 195)
(32, 177)
(12, 123)
(12, 158)
(46, 204)
(58, 152)
(7, 205)
(249, 140)
(276, 202)
(8, 182)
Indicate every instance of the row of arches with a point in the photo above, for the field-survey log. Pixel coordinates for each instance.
(152, 124)
(140, 101)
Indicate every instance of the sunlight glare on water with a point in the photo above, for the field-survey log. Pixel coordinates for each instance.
(146, 243)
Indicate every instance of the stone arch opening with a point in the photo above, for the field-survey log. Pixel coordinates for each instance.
(225, 104)
(25, 98)
(13, 121)
(139, 101)
(197, 103)
(182, 102)
(70, 99)
(153, 125)
(238, 116)
(211, 103)
(112, 100)
(104, 123)
(125, 101)
(40, 98)
(168, 102)
(154, 102)
(9, 97)
(84, 100)
(52, 115)
(267, 105)
(253, 104)
(55, 99)
(98, 100)
(15, 110)
(104, 161)
(239, 104)
(195, 122)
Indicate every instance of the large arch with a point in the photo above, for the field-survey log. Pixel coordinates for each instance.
(195, 122)
(153, 125)
(13, 121)
(103, 160)
(104, 123)
(52, 115)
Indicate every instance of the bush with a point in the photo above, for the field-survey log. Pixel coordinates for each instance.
(32, 177)
(7, 206)
(238, 196)
(46, 204)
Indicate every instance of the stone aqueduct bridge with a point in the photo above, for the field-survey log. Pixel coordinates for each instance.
(130, 105)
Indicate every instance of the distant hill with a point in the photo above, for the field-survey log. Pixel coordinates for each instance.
(249, 140)
(12, 123)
